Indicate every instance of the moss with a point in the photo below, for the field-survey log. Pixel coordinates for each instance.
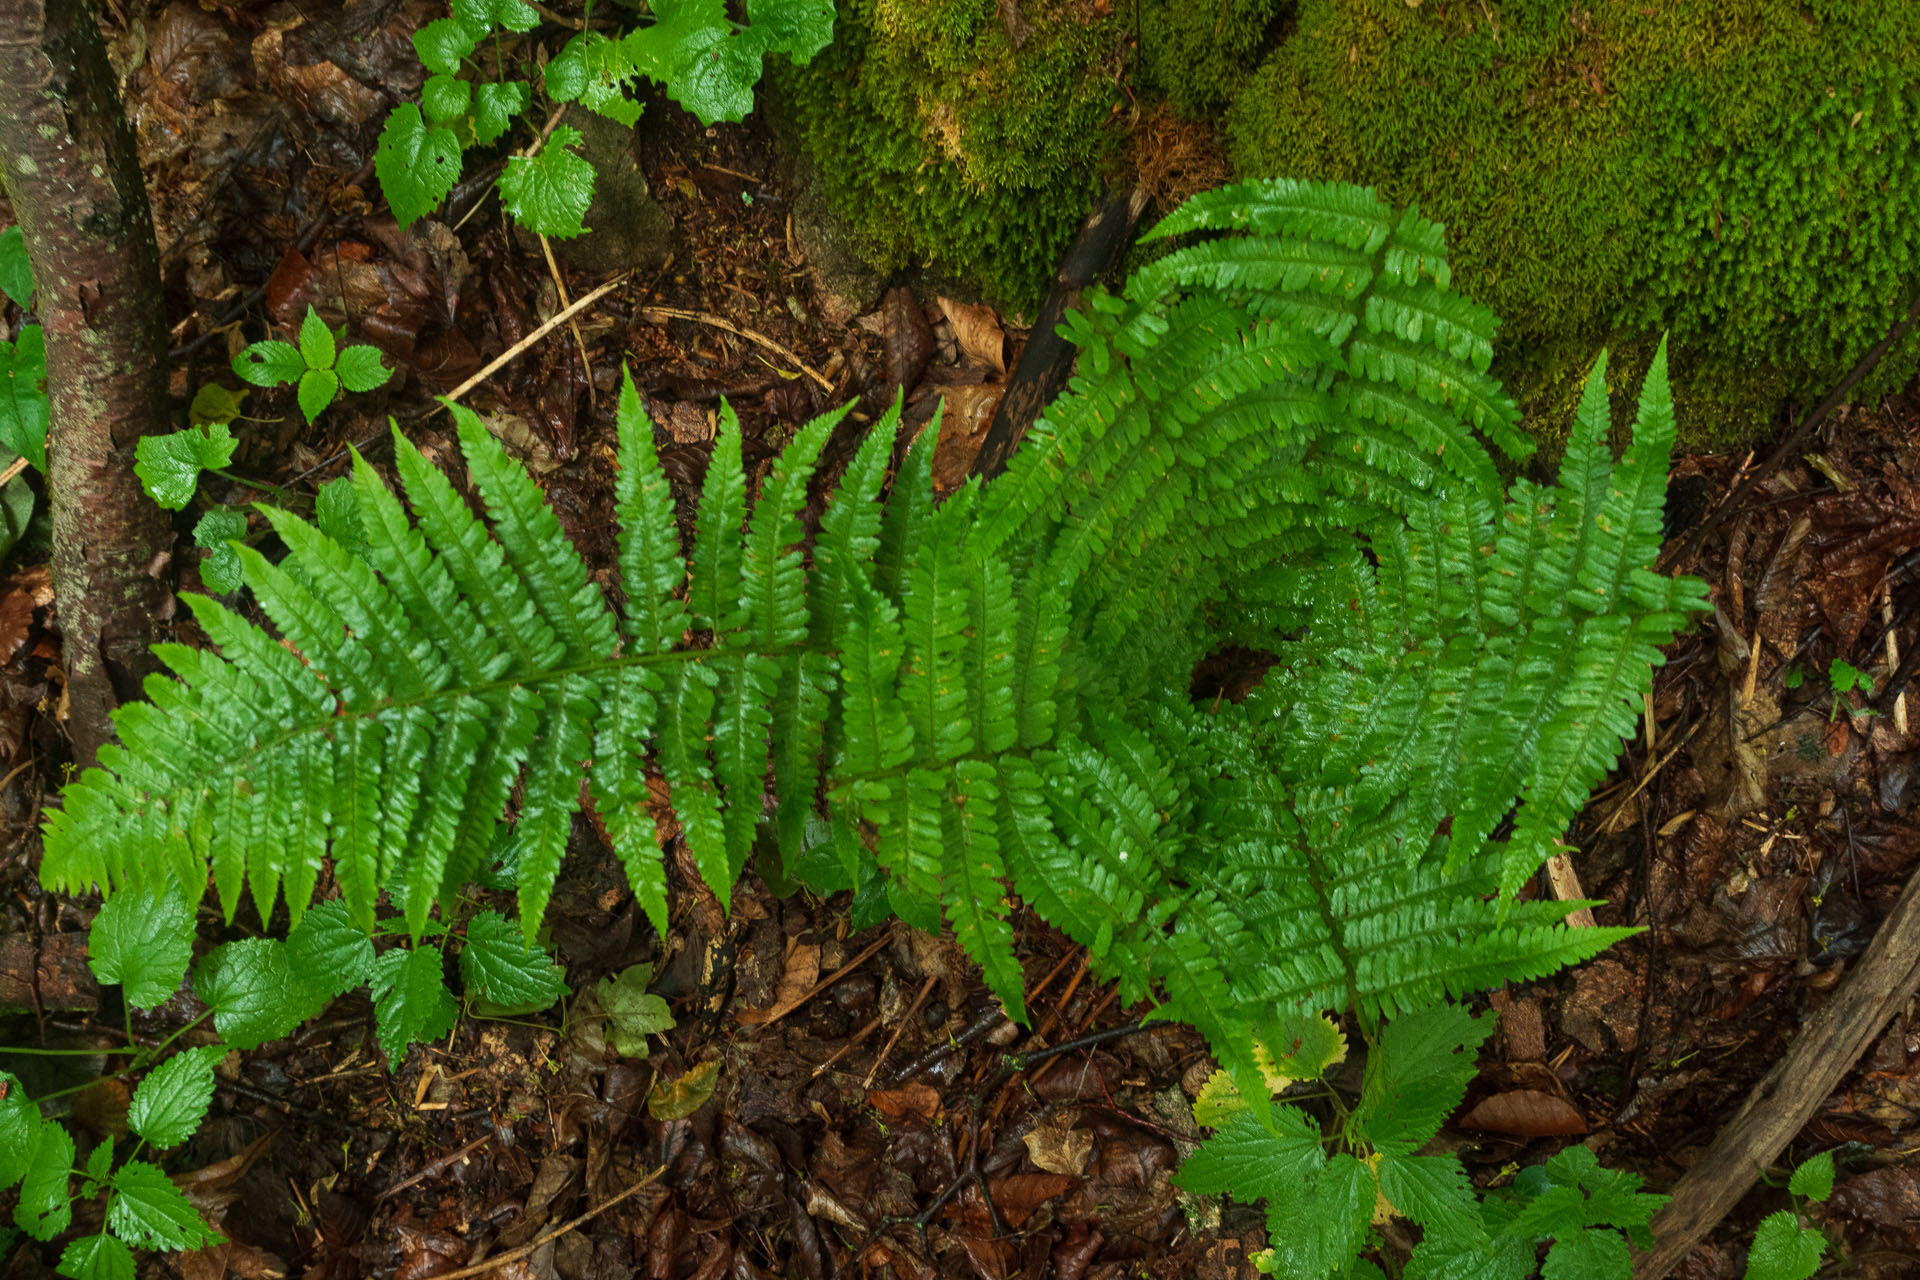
(1197, 51)
(1745, 173)
(944, 144)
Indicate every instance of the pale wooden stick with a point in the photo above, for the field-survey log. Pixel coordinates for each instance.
(721, 322)
(526, 1250)
(494, 365)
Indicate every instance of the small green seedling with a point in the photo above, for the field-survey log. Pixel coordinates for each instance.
(319, 365)
(1844, 677)
(1783, 1249)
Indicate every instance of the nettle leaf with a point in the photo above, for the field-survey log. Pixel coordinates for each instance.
(548, 193)
(98, 1257)
(19, 1122)
(443, 44)
(1592, 1255)
(705, 65)
(514, 15)
(417, 163)
(255, 993)
(143, 940)
(169, 466)
(411, 1002)
(360, 369)
(24, 407)
(1416, 1076)
(633, 1013)
(504, 970)
(172, 1101)
(149, 1212)
(318, 387)
(99, 1169)
(1783, 1249)
(335, 953)
(46, 1201)
(220, 568)
(271, 363)
(595, 71)
(495, 105)
(445, 98)
(16, 272)
(1814, 1178)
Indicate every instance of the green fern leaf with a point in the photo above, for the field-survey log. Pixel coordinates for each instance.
(715, 566)
(650, 565)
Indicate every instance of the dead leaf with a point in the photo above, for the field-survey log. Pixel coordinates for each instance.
(1018, 1195)
(979, 332)
(1526, 1113)
(677, 1099)
(26, 590)
(916, 1099)
(1058, 1147)
(966, 412)
(802, 972)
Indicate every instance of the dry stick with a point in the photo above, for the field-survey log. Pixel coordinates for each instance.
(444, 1162)
(751, 335)
(560, 285)
(1796, 437)
(527, 1250)
(1787, 1098)
(853, 1042)
(894, 1039)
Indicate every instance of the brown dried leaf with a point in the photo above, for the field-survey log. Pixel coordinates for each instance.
(26, 590)
(916, 1099)
(799, 977)
(1526, 1113)
(1056, 1146)
(1018, 1195)
(966, 414)
(979, 332)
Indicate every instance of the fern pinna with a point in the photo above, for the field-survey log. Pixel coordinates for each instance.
(1274, 439)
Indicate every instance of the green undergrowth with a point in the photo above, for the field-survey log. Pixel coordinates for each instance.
(941, 143)
(1744, 175)
(1198, 52)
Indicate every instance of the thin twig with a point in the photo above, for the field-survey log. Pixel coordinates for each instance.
(721, 322)
(894, 1039)
(527, 1250)
(494, 365)
(14, 468)
(444, 1162)
(560, 284)
(832, 978)
(853, 1042)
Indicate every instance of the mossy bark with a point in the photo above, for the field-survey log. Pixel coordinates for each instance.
(73, 173)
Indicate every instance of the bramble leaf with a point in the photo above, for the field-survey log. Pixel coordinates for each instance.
(411, 1002)
(328, 946)
(633, 1013)
(514, 15)
(269, 363)
(495, 105)
(220, 568)
(444, 99)
(360, 369)
(1814, 1177)
(1783, 1249)
(504, 970)
(46, 1200)
(444, 43)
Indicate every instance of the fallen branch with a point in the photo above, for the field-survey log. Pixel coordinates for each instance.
(1780, 1105)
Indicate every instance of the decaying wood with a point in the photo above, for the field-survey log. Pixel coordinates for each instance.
(1048, 359)
(1879, 987)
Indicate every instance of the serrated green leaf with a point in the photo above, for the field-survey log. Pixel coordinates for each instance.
(143, 940)
(171, 1102)
(98, 1257)
(360, 368)
(797, 28)
(548, 193)
(255, 993)
(594, 71)
(316, 341)
(318, 387)
(633, 1013)
(1589, 1255)
(220, 568)
(411, 1002)
(330, 947)
(445, 98)
(19, 1122)
(214, 403)
(99, 1168)
(1416, 1076)
(169, 466)
(501, 968)
(1783, 1249)
(24, 407)
(1433, 1191)
(336, 509)
(444, 43)
(16, 272)
(148, 1211)
(270, 363)
(417, 163)
(1254, 1159)
(495, 105)
(514, 15)
(1814, 1178)
(46, 1200)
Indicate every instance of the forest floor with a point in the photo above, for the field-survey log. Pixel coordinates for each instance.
(824, 1091)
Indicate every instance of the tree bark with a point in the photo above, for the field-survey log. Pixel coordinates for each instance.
(72, 170)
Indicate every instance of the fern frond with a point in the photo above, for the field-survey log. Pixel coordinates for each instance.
(651, 568)
(714, 586)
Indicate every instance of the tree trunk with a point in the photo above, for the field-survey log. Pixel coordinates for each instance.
(71, 168)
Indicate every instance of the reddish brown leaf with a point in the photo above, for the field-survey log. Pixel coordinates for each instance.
(978, 330)
(1526, 1113)
(915, 1099)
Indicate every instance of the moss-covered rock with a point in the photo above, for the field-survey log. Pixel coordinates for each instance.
(1198, 52)
(1745, 173)
(949, 134)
